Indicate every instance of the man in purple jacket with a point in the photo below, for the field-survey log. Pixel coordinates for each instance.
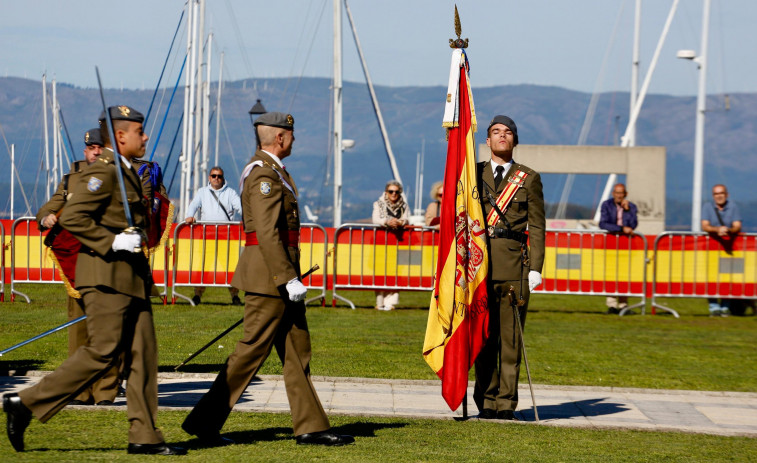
(618, 215)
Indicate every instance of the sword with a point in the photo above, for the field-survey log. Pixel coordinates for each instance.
(117, 155)
(228, 330)
(42, 335)
(516, 303)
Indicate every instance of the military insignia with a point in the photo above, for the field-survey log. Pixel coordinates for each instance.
(94, 184)
(124, 110)
(86, 137)
(265, 188)
(290, 119)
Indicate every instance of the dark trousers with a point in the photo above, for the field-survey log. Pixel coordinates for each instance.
(116, 324)
(498, 365)
(268, 321)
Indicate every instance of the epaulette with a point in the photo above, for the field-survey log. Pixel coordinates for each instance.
(77, 166)
(106, 161)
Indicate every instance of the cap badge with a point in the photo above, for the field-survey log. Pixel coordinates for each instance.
(124, 110)
(290, 119)
(86, 137)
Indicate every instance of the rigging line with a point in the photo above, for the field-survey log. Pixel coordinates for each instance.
(21, 187)
(307, 58)
(235, 163)
(163, 93)
(165, 63)
(240, 42)
(296, 55)
(170, 152)
(70, 158)
(168, 109)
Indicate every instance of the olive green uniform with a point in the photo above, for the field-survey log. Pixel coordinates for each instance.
(269, 210)
(115, 287)
(498, 365)
(106, 387)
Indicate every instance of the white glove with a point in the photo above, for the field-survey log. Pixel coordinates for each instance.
(534, 280)
(296, 290)
(130, 242)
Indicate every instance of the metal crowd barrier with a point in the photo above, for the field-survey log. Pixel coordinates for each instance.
(371, 257)
(597, 263)
(206, 254)
(2, 262)
(30, 258)
(689, 264)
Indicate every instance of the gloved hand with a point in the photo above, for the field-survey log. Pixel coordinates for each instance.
(534, 280)
(130, 242)
(296, 290)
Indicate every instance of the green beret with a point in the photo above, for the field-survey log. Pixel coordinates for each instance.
(92, 137)
(123, 113)
(275, 119)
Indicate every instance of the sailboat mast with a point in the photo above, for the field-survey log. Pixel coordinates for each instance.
(337, 102)
(696, 199)
(47, 141)
(206, 111)
(218, 107)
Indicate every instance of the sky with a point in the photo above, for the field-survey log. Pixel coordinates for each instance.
(583, 45)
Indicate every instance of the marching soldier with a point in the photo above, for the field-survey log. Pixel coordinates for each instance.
(274, 315)
(512, 201)
(104, 390)
(114, 279)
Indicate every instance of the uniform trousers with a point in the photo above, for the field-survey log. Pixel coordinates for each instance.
(104, 388)
(268, 321)
(498, 364)
(116, 323)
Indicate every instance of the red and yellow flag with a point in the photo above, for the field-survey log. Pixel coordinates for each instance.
(458, 315)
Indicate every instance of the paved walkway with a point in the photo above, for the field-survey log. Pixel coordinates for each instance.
(721, 413)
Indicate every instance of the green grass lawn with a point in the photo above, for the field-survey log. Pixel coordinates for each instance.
(268, 437)
(569, 339)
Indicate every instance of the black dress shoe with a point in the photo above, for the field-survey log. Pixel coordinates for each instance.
(17, 419)
(487, 414)
(155, 449)
(324, 438)
(214, 439)
(508, 415)
(121, 391)
(105, 402)
(79, 402)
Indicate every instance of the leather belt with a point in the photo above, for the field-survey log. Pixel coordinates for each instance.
(495, 232)
(288, 237)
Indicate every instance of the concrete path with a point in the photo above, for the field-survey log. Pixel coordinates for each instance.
(721, 413)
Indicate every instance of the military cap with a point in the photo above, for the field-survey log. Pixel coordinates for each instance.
(123, 113)
(92, 137)
(276, 119)
(509, 123)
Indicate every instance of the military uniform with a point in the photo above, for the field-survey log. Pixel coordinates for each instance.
(270, 259)
(498, 365)
(106, 388)
(115, 287)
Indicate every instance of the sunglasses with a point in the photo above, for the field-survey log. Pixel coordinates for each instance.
(393, 192)
(216, 176)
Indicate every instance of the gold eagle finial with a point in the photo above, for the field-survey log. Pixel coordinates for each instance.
(458, 43)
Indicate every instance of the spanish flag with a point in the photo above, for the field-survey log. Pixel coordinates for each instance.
(458, 315)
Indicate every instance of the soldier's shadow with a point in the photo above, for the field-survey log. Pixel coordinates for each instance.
(575, 409)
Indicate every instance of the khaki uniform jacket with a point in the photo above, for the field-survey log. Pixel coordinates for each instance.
(269, 209)
(58, 199)
(525, 210)
(94, 214)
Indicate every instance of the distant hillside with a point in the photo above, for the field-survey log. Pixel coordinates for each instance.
(545, 115)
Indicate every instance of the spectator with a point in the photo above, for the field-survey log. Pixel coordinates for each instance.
(434, 208)
(618, 216)
(391, 211)
(217, 202)
(722, 220)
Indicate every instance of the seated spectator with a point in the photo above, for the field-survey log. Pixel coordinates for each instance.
(434, 208)
(392, 212)
(618, 215)
(722, 220)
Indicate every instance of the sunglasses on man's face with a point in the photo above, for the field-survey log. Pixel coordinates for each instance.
(216, 176)
(393, 192)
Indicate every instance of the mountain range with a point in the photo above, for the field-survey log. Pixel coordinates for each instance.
(544, 115)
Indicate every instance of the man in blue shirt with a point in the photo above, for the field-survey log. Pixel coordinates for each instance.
(217, 202)
(722, 219)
